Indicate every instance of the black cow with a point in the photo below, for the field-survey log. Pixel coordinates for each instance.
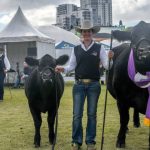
(44, 89)
(119, 84)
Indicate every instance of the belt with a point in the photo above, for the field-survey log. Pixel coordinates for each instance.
(86, 81)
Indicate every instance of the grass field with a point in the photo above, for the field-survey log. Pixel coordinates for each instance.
(17, 130)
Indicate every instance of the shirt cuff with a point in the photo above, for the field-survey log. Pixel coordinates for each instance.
(65, 70)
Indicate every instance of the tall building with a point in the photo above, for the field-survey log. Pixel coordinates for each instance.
(101, 11)
(81, 15)
(105, 12)
(65, 19)
(92, 5)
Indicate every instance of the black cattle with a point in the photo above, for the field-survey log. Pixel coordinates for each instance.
(44, 89)
(121, 87)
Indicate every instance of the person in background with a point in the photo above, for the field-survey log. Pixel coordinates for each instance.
(4, 67)
(26, 71)
(85, 60)
(18, 77)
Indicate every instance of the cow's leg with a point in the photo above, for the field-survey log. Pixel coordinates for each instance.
(136, 118)
(124, 119)
(37, 123)
(51, 121)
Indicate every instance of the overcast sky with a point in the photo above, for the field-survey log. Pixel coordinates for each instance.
(43, 12)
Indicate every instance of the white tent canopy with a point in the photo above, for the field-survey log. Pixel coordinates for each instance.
(22, 40)
(59, 34)
(20, 30)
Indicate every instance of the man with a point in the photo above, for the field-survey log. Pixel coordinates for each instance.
(85, 60)
(4, 67)
(18, 77)
(26, 71)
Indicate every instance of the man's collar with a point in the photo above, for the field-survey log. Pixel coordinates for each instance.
(83, 46)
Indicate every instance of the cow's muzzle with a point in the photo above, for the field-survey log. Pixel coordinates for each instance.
(142, 48)
(47, 74)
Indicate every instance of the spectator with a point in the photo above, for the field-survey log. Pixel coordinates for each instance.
(4, 67)
(26, 71)
(18, 78)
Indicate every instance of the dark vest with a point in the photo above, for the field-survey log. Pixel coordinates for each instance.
(2, 64)
(87, 62)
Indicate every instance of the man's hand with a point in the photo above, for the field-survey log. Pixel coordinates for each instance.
(59, 69)
(110, 54)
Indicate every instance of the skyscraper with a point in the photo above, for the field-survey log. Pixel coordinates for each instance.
(69, 15)
(101, 11)
(65, 18)
(105, 12)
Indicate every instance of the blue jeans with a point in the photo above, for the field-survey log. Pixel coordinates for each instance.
(2, 77)
(17, 82)
(81, 91)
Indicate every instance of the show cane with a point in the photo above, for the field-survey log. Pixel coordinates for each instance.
(106, 93)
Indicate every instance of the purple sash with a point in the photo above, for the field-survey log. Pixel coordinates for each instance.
(142, 83)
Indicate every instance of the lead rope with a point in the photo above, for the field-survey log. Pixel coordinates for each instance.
(106, 93)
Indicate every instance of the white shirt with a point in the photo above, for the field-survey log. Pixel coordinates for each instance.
(6, 62)
(103, 58)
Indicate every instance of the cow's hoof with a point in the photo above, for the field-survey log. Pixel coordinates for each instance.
(120, 144)
(51, 138)
(51, 142)
(37, 145)
(137, 125)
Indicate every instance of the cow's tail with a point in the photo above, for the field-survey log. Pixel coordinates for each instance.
(56, 118)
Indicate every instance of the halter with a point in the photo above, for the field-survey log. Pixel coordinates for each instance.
(46, 76)
(142, 81)
(138, 50)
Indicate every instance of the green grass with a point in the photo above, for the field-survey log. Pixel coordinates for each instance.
(17, 130)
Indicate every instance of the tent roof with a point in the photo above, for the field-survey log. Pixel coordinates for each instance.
(19, 29)
(59, 34)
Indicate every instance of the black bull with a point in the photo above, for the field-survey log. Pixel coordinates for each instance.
(44, 89)
(121, 87)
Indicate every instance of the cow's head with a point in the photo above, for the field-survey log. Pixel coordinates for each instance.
(139, 36)
(45, 66)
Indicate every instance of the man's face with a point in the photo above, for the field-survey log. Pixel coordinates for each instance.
(87, 34)
(25, 64)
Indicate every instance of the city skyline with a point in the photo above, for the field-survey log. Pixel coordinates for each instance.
(43, 12)
(101, 11)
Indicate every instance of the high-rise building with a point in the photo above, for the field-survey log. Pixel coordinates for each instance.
(69, 15)
(65, 19)
(92, 5)
(101, 11)
(105, 12)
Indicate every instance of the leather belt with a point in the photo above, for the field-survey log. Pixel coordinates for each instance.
(86, 81)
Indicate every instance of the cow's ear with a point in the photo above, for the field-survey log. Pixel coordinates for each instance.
(62, 60)
(31, 61)
(121, 35)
